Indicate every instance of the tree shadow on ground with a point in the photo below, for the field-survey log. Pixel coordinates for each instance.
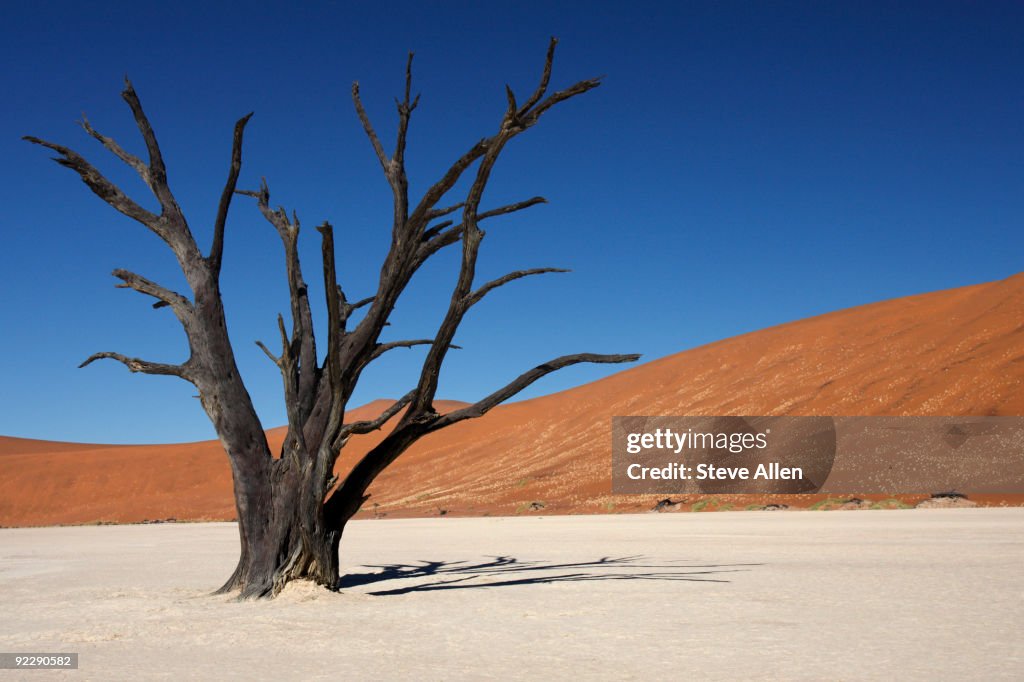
(505, 571)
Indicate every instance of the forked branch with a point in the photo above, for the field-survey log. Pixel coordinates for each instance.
(102, 187)
(516, 121)
(350, 308)
(130, 159)
(545, 78)
(437, 237)
(157, 169)
(170, 225)
(298, 358)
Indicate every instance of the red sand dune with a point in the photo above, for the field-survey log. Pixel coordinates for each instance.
(955, 352)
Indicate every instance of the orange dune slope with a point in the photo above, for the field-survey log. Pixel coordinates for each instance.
(955, 352)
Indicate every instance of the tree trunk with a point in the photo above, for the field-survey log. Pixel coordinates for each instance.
(295, 534)
(287, 538)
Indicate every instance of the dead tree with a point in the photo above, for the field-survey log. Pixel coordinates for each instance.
(292, 509)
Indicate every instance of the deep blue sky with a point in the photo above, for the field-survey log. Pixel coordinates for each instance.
(744, 164)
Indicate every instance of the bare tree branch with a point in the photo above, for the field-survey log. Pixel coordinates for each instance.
(475, 297)
(143, 366)
(511, 97)
(333, 361)
(181, 305)
(488, 152)
(286, 344)
(448, 180)
(391, 345)
(102, 187)
(273, 358)
(276, 217)
(170, 225)
(483, 406)
(130, 159)
(435, 239)
(303, 337)
(516, 121)
(352, 307)
(157, 170)
(511, 208)
(435, 230)
(405, 109)
(439, 212)
(544, 79)
(217, 249)
(374, 424)
(378, 148)
(531, 117)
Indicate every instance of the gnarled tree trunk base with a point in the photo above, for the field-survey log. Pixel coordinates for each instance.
(285, 555)
(286, 539)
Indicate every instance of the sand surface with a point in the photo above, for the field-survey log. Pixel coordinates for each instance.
(916, 594)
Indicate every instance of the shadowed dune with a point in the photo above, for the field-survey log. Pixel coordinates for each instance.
(954, 352)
